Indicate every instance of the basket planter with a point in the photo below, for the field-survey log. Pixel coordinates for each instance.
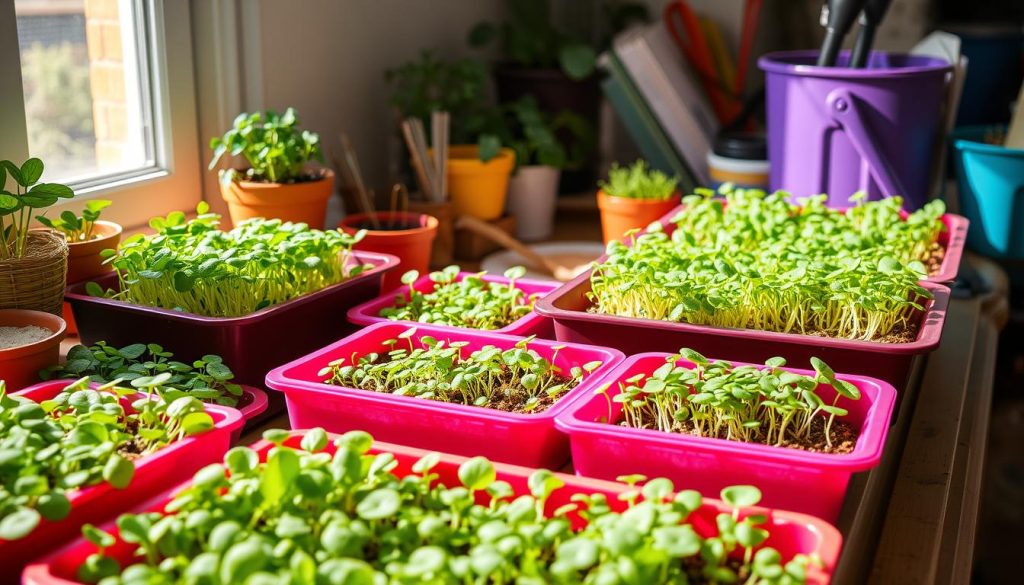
(153, 473)
(36, 281)
(20, 366)
(790, 479)
(532, 324)
(252, 344)
(521, 439)
(791, 533)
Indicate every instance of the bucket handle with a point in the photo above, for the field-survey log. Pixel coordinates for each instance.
(845, 110)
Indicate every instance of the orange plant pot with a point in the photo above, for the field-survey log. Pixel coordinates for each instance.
(412, 246)
(19, 366)
(479, 188)
(85, 263)
(621, 214)
(297, 202)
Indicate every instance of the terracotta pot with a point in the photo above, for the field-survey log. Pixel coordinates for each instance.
(478, 188)
(621, 214)
(84, 260)
(19, 366)
(411, 246)
(298, 202)
(532, 197)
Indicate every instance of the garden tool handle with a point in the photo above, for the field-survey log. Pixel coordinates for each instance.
(845, 110)
(482, 228)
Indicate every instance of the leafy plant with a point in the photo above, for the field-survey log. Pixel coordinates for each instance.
(471, 302)
(80, 438)
(18, 205)
(757, 261)
(517, 379)
(207, 379)
(192, 266)
(535, 136)
(309, 516)
(711, 398)
(75, 228)
(273, 145)
(638, 182)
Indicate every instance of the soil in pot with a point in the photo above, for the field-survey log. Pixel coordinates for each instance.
(18, 336)
(387, 227)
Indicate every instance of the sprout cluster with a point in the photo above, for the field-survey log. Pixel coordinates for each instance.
(742, 403)
(638, 181)
(756, 261)
(471, 302)
(80, 438)
(192, 266)
(310, 517)
(518, 378)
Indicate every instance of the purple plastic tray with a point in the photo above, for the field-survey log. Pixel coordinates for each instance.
(253, 344)
(368, 313)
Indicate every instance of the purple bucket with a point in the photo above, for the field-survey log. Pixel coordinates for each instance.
(837, 130)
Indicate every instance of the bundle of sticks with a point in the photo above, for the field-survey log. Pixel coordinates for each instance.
(430, 166)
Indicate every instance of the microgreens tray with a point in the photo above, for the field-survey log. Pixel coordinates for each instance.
(253, 343)
(789, 534)
(153, 473)
(521, 438)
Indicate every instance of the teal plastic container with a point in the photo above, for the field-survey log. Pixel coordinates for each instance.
(991, 182)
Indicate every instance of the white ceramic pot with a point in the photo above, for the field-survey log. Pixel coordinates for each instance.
(532, 194)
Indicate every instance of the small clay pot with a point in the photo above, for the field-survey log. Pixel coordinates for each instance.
(621, 214)
(410, 240)
(20, 366)
(304, 202)
(84, 261)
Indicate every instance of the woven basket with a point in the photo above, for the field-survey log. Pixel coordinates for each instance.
(37, 280)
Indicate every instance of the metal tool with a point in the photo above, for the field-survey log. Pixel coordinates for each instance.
(837, 17)
(870, 19)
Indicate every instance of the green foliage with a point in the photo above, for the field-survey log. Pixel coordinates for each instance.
(756, 261)
(80, 438)
(192, 266)
(312, 516)
(75, 228)
(536, 136)
(638, 182)
(276, 149)
(471, 302)
(438, 370)
(17, 205)
(207, 378)
(58, 104)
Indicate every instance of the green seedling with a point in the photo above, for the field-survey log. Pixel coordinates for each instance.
(18, 204)
(75, 228)
(272, 144)
(638, 182)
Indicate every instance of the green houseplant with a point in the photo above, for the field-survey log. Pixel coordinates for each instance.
(633, 197)
(277, 184)
(87, 236)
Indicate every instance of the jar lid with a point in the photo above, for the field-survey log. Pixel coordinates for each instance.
(741, 145)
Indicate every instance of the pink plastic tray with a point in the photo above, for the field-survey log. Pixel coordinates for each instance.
(791, 533)
(812, 483)
(368, 313)
(153, 473)
(252, 344)
(522, 439)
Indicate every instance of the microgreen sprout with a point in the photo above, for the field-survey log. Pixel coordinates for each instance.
(756, 261)
(311, 516)
(471, 302)
(75, 228)
(637, 181)
(191, 266)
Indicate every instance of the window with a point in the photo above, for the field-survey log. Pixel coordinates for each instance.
(103, 102)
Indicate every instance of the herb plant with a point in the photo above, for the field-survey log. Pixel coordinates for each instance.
(756, 261)
(561, 140)
(207, 378)
(75, 228)
(309, 516)
(191, 266)
(17, 206)
(740, 403)
(471, 302)
(80, 438)
(273, 145)
(516, 380)
(638, 182)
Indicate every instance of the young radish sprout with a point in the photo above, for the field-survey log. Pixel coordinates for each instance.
(338, 513)
(711, 398)
(756, 261)
(82, 437)
(517, 379)
(192, 266)
(471, 302)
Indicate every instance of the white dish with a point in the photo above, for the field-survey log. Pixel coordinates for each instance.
(499, 262)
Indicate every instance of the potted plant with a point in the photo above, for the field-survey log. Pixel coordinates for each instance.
(633, 197)
(87, 235)
(407, 236)
(29, 341)
(33, 263)
(75, 453)
(277, 183)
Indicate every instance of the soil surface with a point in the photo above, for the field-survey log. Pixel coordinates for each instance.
(934, 260)
(387, 226)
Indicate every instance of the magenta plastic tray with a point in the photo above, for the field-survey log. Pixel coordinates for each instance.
(521, 439)
(153, 473)
(368, 313)
(791, 533)
(790, 479)
(252, 344)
